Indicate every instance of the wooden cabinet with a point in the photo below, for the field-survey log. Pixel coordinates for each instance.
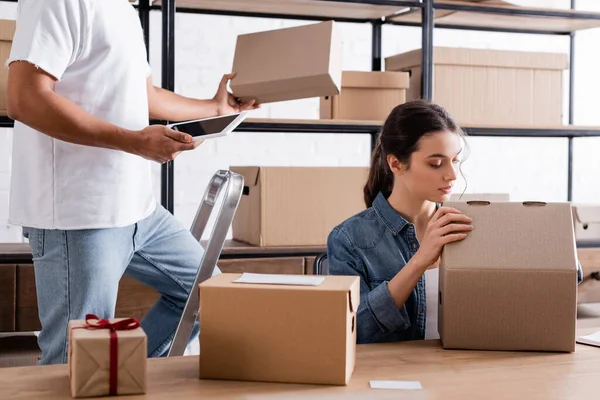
(8, 297)
(27, 311)
(18, 299)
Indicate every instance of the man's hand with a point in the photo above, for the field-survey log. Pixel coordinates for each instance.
(226, 102)
(161, 144)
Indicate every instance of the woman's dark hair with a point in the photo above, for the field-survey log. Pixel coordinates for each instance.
(400, 135)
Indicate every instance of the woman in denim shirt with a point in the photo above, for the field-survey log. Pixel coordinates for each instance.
(400, 235)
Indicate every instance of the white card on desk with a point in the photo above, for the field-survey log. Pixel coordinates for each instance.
(400, 385)
(275, 279)
(592, 339)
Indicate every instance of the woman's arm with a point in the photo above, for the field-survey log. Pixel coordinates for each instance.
(379, 314)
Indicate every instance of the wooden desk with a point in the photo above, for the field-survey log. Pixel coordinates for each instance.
(444, 374)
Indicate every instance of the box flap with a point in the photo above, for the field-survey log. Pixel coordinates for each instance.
(480, 57)
(588, 214)
(514, 236)
(250, 174)
(354, 299)
(376, 79)
(7, 29)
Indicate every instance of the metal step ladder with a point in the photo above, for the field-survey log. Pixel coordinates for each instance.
(232, 185)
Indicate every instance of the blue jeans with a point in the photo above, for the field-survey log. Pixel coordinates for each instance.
(77, 272)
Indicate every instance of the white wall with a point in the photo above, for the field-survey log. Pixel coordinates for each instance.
(526, 168)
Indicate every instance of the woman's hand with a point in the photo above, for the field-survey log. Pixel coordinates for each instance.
(446, 226)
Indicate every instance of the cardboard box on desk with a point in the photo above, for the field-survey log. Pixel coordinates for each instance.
(288, 64)
(296, 206)
(366, 95)
(586, 222)
(278, 332)
(491, 87)
(512, 283)
(103, 362)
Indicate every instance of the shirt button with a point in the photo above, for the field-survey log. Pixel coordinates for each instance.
(414, 246)
(421, 310)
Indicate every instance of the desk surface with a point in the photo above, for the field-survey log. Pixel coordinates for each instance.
(444, 374)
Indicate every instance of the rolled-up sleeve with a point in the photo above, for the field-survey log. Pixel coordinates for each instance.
(377, 316)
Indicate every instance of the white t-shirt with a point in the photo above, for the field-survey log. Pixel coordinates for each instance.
(95, 49)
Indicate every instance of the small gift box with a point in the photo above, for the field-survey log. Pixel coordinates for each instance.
(107, 357)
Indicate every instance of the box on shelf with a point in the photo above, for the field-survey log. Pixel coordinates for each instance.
(91, 371)
(366, 95)
(512, 283)
(271, 332)
(491, 87)
(586, 222)
(296, 206)
(480, 196)
(288, 64)
(7, 32)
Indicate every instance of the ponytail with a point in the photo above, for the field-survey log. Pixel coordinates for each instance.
(381, 178)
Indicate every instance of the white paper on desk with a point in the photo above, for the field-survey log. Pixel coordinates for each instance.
(276, 279)
(592, 339)
(401, 385)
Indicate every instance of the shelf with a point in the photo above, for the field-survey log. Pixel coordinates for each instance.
(349, 10)
(372, 127)
(15, 253)
(276, 125)
(566, 131)
(309, 126)
(497, 15)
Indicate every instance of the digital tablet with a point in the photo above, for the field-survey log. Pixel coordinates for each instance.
(209, 128)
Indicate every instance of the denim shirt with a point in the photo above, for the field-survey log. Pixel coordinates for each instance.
(375, 245)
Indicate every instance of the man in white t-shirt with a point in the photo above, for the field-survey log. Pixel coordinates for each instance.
(81, 94)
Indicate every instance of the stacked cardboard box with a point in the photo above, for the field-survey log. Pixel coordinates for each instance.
(491, 87)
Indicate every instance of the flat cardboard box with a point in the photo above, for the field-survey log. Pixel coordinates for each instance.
(296, 206)
(89, 360)
(480, 196)
(512, 283)
(288, 64)
(366, 96)
(491, 87)
(7, 32)
(586, 222)
(279, 332)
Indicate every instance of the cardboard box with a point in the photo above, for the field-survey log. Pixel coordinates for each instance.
(491, 87)
(279, 332)
(288, 64)
(296, 206)
(586, 222)
(90, 360)
(7, 32)
(512, 283)
(366, 95)
(480, 196)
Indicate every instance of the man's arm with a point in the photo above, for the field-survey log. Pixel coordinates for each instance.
(168, 106)
(31, 99)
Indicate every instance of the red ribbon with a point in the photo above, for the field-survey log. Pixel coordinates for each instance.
(123, 325)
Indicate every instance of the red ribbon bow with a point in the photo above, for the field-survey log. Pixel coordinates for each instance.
(93, 322)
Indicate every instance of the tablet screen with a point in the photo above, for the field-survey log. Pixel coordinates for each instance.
(207, 126)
